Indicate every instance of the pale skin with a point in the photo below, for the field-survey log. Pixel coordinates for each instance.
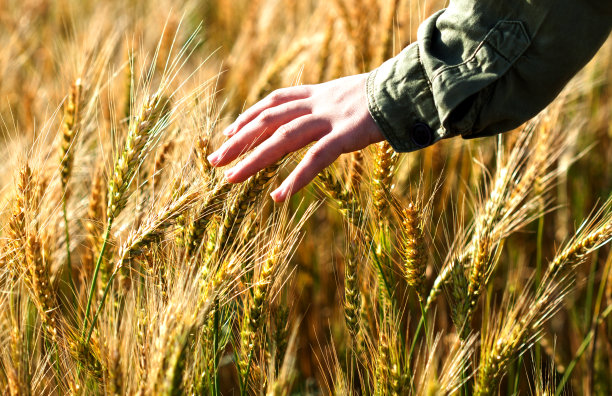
(334, 115)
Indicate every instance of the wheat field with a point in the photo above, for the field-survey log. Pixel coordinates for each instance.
(129, 265)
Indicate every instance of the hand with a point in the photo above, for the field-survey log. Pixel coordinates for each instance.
(335, 114)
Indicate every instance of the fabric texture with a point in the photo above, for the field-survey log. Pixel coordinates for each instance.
(483, 67)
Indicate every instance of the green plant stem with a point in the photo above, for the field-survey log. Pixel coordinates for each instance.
(58, 371)
(245, 380)
(354, 377)
(414, 339)
(422, 325)
(100, 305)
(216, 349)
(92, 289)
(583, 347)
(424, 321)
(589, 291)
(465, 378)
(538, 277)
(379, 267)
(31, 312)
(597, 308)
(68, 260)
(517, 374)
(413, 345)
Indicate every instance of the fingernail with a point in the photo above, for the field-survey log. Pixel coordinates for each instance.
(229, 130)
(213, 158)
(229, 173)
(278, 195)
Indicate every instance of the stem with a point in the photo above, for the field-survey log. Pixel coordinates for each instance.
(583, 347)
(92, 289)
(424, 321)
(58, 371)
(416, 336)
(31, 312)
(100, 305)
(245, 383)
(596, 309)
(517, 373)
(216, 349)
(379, 267)
(589, 291)
(538, 277)
(68, 260)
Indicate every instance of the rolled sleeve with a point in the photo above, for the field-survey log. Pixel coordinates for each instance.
(479, 68)
(401, 102)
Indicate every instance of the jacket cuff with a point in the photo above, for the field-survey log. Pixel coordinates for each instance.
(401, 102)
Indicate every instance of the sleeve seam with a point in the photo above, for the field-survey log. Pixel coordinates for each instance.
(423, 73)
(499, 53)
(465, 62)
(481, 44)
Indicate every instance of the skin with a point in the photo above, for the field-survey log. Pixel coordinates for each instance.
(334, 115)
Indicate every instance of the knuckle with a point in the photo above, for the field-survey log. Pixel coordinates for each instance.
(239, 124)
(304, 104)
(277, 95)
(266, 116)
(316, 153)
(283, 131)
(240, 120)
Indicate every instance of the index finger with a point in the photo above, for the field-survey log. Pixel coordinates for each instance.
(276, 98)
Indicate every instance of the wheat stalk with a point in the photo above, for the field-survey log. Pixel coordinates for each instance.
(94, 221)
(143, 134)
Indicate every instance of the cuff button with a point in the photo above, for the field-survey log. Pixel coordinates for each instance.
(422, 135)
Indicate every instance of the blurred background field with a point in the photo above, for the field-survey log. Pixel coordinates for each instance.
(219, 291)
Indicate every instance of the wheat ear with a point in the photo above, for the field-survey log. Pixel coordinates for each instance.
(254, 313)
(413, 249)
(384, 168)
(69, 131)
(142, 135)
(351, 292)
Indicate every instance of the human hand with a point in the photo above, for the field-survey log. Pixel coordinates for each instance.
(335, 114)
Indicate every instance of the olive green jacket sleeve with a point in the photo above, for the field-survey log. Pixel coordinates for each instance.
(481, 67)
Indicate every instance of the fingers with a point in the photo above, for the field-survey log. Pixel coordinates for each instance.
(288, 138)
(276, 98)
(258, 130)
(317, 158)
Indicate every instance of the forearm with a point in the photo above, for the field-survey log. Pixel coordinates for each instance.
(481, 68)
